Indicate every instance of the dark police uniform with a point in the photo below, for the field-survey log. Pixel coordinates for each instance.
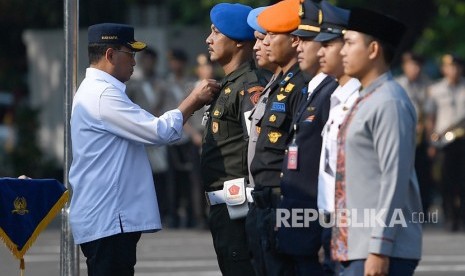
(274, 128)
(224, 157)
(299, 186)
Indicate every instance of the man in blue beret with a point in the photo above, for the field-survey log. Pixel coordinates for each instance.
(375, 171)
(224, 148)
(114, 198)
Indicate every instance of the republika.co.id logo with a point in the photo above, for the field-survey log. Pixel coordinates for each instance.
(299, 218)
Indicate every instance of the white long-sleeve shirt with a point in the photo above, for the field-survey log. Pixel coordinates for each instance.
(342, 100)
(110, 175)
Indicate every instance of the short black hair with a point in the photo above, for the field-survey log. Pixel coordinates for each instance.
(151, 52)
(178, 54)
(411, 56)
(97, 50)
(388, 49)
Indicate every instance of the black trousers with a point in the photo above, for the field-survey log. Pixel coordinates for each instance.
(453, 186)
(266, 260)
(230, 242)
(111, 256)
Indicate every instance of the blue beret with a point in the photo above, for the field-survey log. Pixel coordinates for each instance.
(112, 33)
(252, 20)
(335, 21)
(231, 20)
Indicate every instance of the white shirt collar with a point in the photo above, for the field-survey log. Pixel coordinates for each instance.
(95, 73)
(315, 81)
(342, 93)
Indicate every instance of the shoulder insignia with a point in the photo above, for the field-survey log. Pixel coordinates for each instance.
(20, 205)
(255, 89)
(289, 87)
(241, 93)
(215, 127)
(227, 91)
(274, 136)
(272, 118)
(280, 107)
(280, 97)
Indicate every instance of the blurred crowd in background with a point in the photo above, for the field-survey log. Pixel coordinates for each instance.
(433, 31)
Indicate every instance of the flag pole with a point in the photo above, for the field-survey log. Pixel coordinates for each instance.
(69, 252)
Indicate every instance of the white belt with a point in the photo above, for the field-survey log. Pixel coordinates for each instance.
(217, 197)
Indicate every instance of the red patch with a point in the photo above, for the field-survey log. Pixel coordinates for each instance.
(234, 190)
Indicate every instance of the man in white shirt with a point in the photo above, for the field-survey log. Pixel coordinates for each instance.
(333, 25)
(114, 199)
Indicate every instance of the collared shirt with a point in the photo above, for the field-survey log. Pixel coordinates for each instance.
(314, 82)
(342, 100)
(380, 174)
(256, 115)
(110, 175)
(275, 127)
(224, 148)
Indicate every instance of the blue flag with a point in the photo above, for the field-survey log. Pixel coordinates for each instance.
(26, 207)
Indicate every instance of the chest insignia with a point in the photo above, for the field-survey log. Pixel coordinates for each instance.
(310, 118)
(274, 136)
(215, 127)
(289, 87)
(280, 97)
(280, 107)
(272, 118)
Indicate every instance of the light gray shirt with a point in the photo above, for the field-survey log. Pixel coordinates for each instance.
(380, 174)
(255, 116)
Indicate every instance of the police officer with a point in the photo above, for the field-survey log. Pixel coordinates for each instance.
(299, 179)
(447, 114)
(273, 127)
(224, 148)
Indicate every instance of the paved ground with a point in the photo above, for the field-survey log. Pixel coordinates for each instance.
(190, 253)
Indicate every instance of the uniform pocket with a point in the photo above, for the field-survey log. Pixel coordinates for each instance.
(276, 131)
(219, 127)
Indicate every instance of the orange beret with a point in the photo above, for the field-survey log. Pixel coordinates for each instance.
(282, 17)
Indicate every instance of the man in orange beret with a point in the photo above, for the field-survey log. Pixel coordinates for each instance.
(274, 125)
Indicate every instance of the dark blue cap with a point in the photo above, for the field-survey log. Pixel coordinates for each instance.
(231, 20)
(335, 21)
(376, 24)
(112, 33)
(310, 15)
(253, 22)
